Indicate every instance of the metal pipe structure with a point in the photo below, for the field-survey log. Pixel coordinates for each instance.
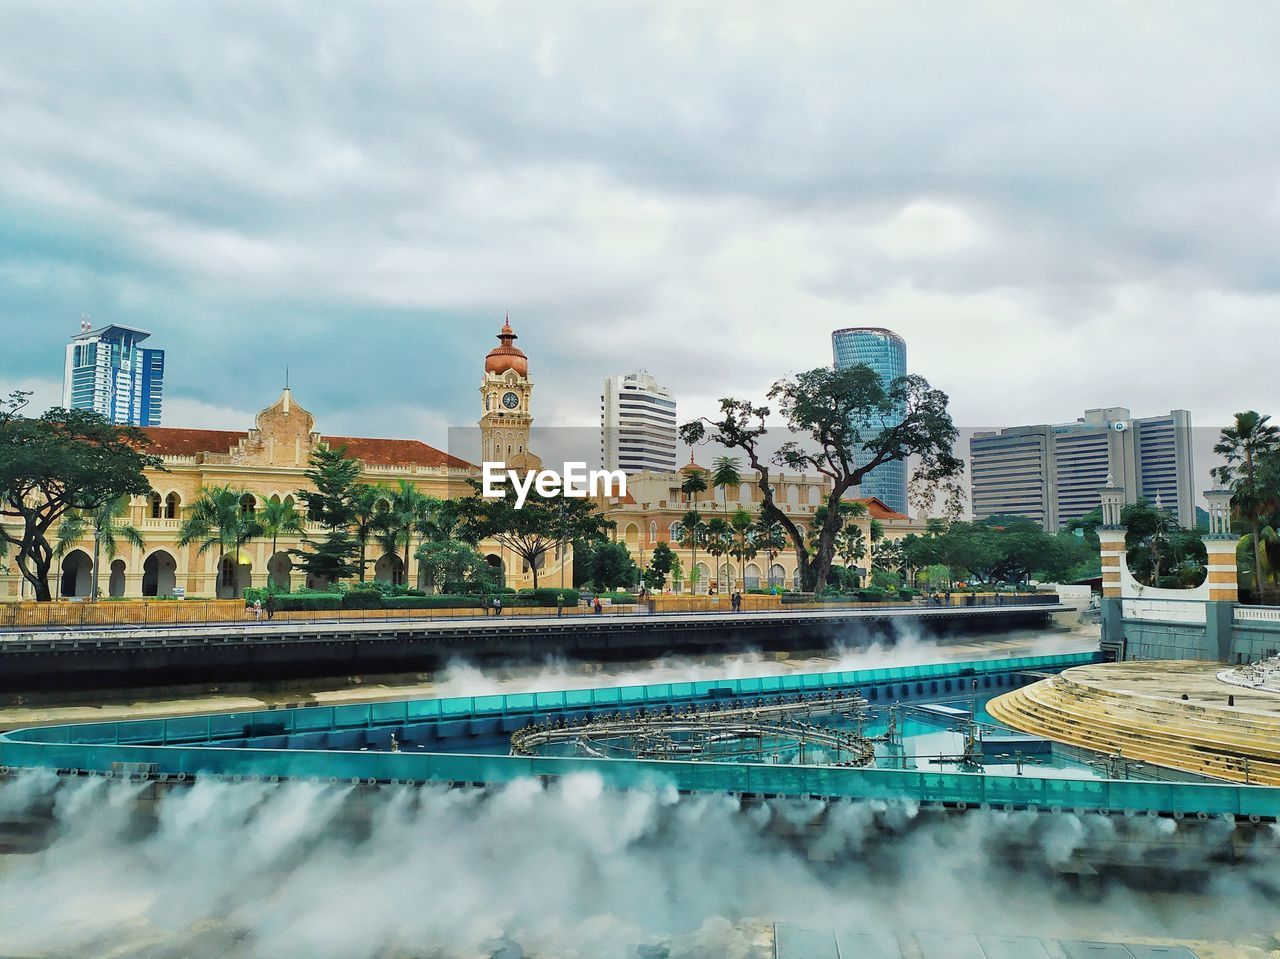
(711, 734)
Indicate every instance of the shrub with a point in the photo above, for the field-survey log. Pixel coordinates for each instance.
(311, 601)
(546, 596)
(363, 599)
(441, 601)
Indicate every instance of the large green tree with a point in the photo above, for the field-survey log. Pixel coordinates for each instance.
(1243, 446)
(329, 501)
(612, 566)
(367, 503)
(531, 530)
(851, 422)
(62, 461)
(449, 562)
(662, 562)
(109, 528)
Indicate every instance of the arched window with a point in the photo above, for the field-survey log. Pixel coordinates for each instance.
(653, 531)
(815, 496)
(676, 531)
(248, 504)
(156, 509)
(172, 503)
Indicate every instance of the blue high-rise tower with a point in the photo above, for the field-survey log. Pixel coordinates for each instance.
(886, 353)
(108, 371)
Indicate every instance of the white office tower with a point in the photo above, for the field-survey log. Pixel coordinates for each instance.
(637, 424)
(1052, 473)
(107, 371)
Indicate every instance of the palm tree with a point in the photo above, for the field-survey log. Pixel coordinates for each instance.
(1249, 439)
(217, 519)
(367, 504)
(771, 538)
(718, 540)
(695, 482)
(692, 531)
(745, 547)
(279, 518)
(107, 524)
(724, 475)
(408, 515)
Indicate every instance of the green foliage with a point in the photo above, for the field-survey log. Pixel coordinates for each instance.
(1250, 449)
(216, 519)
(451, 563)
(661, 562)
(107, 525)
(612, 565)
(842, 413)
(546, 596)
(535, 528)
(62, 461)
(310, 602)
(330, 502)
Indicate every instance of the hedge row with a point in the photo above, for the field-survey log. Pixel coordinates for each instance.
(370, 599)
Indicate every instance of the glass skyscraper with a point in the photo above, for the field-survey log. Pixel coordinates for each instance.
(886, 353)
(108, 372)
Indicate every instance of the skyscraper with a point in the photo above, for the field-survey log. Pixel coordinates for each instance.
(637, 424)
(886, 353)
(108, 372)
(1052, 473)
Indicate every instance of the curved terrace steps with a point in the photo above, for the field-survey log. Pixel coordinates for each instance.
(1200, 739)
(1253, 735)
(1148, 745)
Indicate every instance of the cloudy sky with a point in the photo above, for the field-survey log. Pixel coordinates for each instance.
(1058, 207)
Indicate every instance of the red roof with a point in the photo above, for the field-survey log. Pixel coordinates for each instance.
(168, 441)
(878, 510)
(375, 452)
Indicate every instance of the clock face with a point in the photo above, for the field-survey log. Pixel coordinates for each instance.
(510, 400)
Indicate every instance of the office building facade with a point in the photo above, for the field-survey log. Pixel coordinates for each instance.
(1052, 473)
(107, 370)
(886, 353)
(637, 424)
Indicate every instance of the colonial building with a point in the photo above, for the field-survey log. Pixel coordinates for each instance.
(267, 461)
(652, 510)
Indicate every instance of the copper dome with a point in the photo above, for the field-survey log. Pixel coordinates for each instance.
(507, 356)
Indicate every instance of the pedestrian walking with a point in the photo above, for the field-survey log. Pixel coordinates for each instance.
(559, 604)
(597, 607)
(257, 610)
(272, 605)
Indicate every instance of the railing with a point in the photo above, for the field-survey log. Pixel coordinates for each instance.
(132, 613)
(1257, 614)
(195, 746)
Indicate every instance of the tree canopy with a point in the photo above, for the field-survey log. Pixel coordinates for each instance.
(53, 464)
(846, 422)
(533, 529)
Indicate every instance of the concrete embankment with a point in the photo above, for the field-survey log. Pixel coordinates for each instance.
(143, 656)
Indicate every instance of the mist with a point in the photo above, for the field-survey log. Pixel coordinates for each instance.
(252, 870)
(905, 646)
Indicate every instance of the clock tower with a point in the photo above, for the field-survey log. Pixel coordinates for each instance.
(506, 414)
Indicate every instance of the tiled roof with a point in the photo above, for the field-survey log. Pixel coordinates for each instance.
(169, 441)
(376, 452)
(878, 510)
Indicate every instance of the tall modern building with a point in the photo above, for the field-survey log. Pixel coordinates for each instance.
(886, 353)
(637, 424)
(108, 372)
(1052, 473)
